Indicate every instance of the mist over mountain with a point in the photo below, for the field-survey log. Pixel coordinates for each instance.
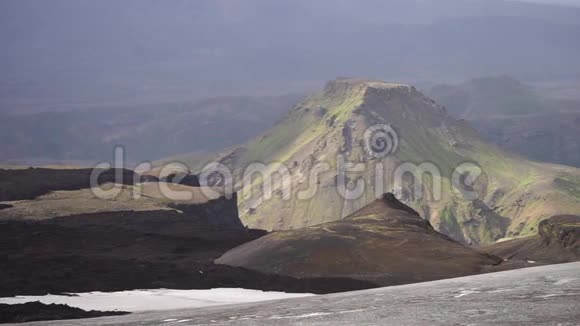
(146, 132)
(65, 54)
(517, 116)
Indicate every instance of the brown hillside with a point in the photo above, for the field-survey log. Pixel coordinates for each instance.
(386, 243)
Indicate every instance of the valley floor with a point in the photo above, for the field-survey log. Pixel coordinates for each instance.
(546, 295)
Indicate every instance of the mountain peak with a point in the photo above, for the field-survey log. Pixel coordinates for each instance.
(343, 96)
(346, 120)
(367, 82)
(385, 206)
(357, 84)
(390, 200)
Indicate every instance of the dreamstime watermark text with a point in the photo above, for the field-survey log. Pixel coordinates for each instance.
(350, 179)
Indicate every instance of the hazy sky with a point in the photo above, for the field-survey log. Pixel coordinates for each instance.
(60, 54)
(566, 2)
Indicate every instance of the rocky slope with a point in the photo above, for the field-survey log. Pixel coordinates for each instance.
(557, 241)
(509, 198)
(386, 243)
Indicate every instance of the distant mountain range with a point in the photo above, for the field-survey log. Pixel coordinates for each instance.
(146, 132)
(517, 117)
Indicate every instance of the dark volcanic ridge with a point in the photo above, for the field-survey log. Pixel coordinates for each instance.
(557, 241)
(115, 251)
(187, 179)
(125, 250)
(386, 243)
(36, 311)
(33, 182)
(23, 184)
(4, 206)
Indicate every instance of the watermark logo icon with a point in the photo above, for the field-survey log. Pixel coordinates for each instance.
(381, 141)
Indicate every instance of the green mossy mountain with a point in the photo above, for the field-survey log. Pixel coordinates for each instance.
(513, 194)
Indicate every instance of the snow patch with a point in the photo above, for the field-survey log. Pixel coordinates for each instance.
(151, 300)
(316, 314)
(463, 293)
